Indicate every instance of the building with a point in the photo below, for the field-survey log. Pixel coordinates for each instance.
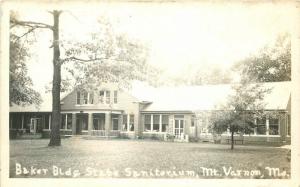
(179, 114)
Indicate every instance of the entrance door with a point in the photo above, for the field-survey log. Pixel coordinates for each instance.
(115, 124)
(34, 124)
(79, 122)
(179, 123)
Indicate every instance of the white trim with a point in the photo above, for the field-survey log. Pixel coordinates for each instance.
(160, 123)
(151, 123)
(153, 132)
(22, 127)
(49, 121)
(85, 111)
(128, 121)
(267, 126)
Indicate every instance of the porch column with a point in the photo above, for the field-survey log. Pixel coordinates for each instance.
(90, 123)
(160, 123)
(120, 122)
(128, 122)
(49, 121)
(151, 122)
(107, 123)
(267, 126)
(22, 127)
(73, 123)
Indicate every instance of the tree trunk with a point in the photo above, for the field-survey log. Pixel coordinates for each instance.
(232, 140)
(56, 118)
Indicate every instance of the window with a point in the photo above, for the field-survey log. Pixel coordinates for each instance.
(115, 124)
(115, 97)
(91, 98)
(165, 123)
(66, 121)
(156, 123)
(261, 126)
(131, 122)
(125, 126)
(107, 97)
(101, 96)
(99, 122)
(273, 126)
(147, 123)
(193, 121)
(85, 98)
(69, 121)
(63, 121)
(78, 98)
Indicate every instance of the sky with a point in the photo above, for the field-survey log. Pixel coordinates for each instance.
(178, 35)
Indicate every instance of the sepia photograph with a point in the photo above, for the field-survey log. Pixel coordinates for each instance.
(150, 90)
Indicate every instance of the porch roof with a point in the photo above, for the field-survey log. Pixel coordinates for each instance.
(209, 97)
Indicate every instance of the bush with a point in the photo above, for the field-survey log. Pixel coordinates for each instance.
(13, 133)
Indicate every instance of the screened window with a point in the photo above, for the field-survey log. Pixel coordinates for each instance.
(78, 98)
(261, 126)
(85, 98)
(147, 123)
(101, 96)
(69, 121)
(63, 121)
(156, 123)
(131, 122)
(107, 97)
(193, 121)
(273, 126)
(66, 121)
(125, 125)
(165, 123)
(115, 97)
(99, 122)
(91, 98)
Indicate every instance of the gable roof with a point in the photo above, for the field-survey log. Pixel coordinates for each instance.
(208, 97)
(46, 104)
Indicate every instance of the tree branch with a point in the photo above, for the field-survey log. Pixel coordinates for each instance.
(29, 31)
(31, 24)
(86, 60)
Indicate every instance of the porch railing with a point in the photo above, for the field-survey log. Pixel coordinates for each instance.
(104, 133)
(98, 133)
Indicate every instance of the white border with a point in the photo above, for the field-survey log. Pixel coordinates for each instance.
(4, 105)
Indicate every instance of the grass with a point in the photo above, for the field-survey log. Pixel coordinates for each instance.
(142, 158)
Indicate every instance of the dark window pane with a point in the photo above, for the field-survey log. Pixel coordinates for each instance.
(69, 121)
(115, 97)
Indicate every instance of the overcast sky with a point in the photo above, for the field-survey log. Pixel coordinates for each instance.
(178, 34)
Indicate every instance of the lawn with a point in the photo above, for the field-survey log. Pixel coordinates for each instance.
(145, 159)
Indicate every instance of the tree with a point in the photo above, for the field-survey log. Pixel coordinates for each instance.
(20, 84)
(270, 64)
(243, 106)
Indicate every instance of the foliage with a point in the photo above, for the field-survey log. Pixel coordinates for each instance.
(243, 106)
(107, 57)
(271, 64)
(202, 74)
(20, 84)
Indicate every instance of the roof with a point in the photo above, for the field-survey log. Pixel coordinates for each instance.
(46, 105)
(208, 97)
(183, 98)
